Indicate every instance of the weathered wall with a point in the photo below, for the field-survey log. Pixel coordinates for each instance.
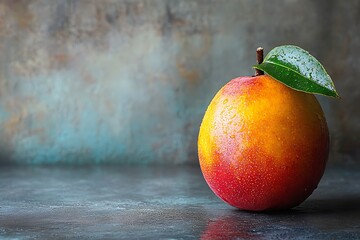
(128, 81)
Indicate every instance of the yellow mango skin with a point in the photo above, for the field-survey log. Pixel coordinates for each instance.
(263, 145)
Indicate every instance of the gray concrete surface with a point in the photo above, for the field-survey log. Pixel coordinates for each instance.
(86, 81)
(162, 203)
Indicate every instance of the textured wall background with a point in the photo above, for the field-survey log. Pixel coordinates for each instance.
(129, 81)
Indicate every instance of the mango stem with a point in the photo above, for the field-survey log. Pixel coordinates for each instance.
(259, 59)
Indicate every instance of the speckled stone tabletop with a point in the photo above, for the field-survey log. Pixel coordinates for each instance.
(162, 203)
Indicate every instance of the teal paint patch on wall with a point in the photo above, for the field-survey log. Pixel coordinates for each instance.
(129, 81)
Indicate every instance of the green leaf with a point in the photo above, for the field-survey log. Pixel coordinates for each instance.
(297, 69)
